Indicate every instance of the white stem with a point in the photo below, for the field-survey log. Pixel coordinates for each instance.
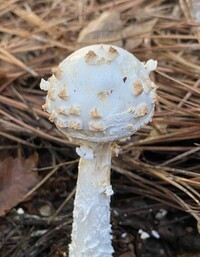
(91, 225)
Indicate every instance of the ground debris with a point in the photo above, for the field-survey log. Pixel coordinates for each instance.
(105, 29)
(16, 179)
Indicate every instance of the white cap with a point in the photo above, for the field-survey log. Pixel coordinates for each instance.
(100, 93)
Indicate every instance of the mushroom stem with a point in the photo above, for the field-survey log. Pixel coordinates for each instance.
(91, 217)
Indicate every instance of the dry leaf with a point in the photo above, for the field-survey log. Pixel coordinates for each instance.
(16, 179)
(133, 31)
(105, 29)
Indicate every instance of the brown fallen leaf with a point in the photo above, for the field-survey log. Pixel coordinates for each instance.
(134, 33)
(16, 179)
(105, 29)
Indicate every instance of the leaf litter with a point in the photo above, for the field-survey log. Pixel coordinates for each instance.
(16, 179)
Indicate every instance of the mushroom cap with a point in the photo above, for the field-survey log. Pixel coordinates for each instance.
(100, 93)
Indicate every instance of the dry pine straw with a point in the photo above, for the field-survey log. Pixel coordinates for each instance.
(34, 38)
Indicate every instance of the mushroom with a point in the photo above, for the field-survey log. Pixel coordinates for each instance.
(98, 94)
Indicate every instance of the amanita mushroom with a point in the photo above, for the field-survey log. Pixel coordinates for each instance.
(97, 95)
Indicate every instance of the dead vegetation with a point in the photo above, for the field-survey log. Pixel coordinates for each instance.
(158, 168)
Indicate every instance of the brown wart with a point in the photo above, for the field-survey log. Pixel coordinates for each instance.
(45, 107)
(90, 57)
(96, 126)
(112, 53)
(154, 97)
(57, 72)
(75, 110)
(53, 116)
(51, 94)
(63, 94)
(148, 85)
(141, 110)
(63, 111)
(137, 88)
(112, 50)
(74, 125)
(61, 124)
(101, 60)
(95, 114)
(102, 95)
(101, 47)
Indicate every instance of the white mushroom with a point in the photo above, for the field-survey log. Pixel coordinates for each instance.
(99, 96)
